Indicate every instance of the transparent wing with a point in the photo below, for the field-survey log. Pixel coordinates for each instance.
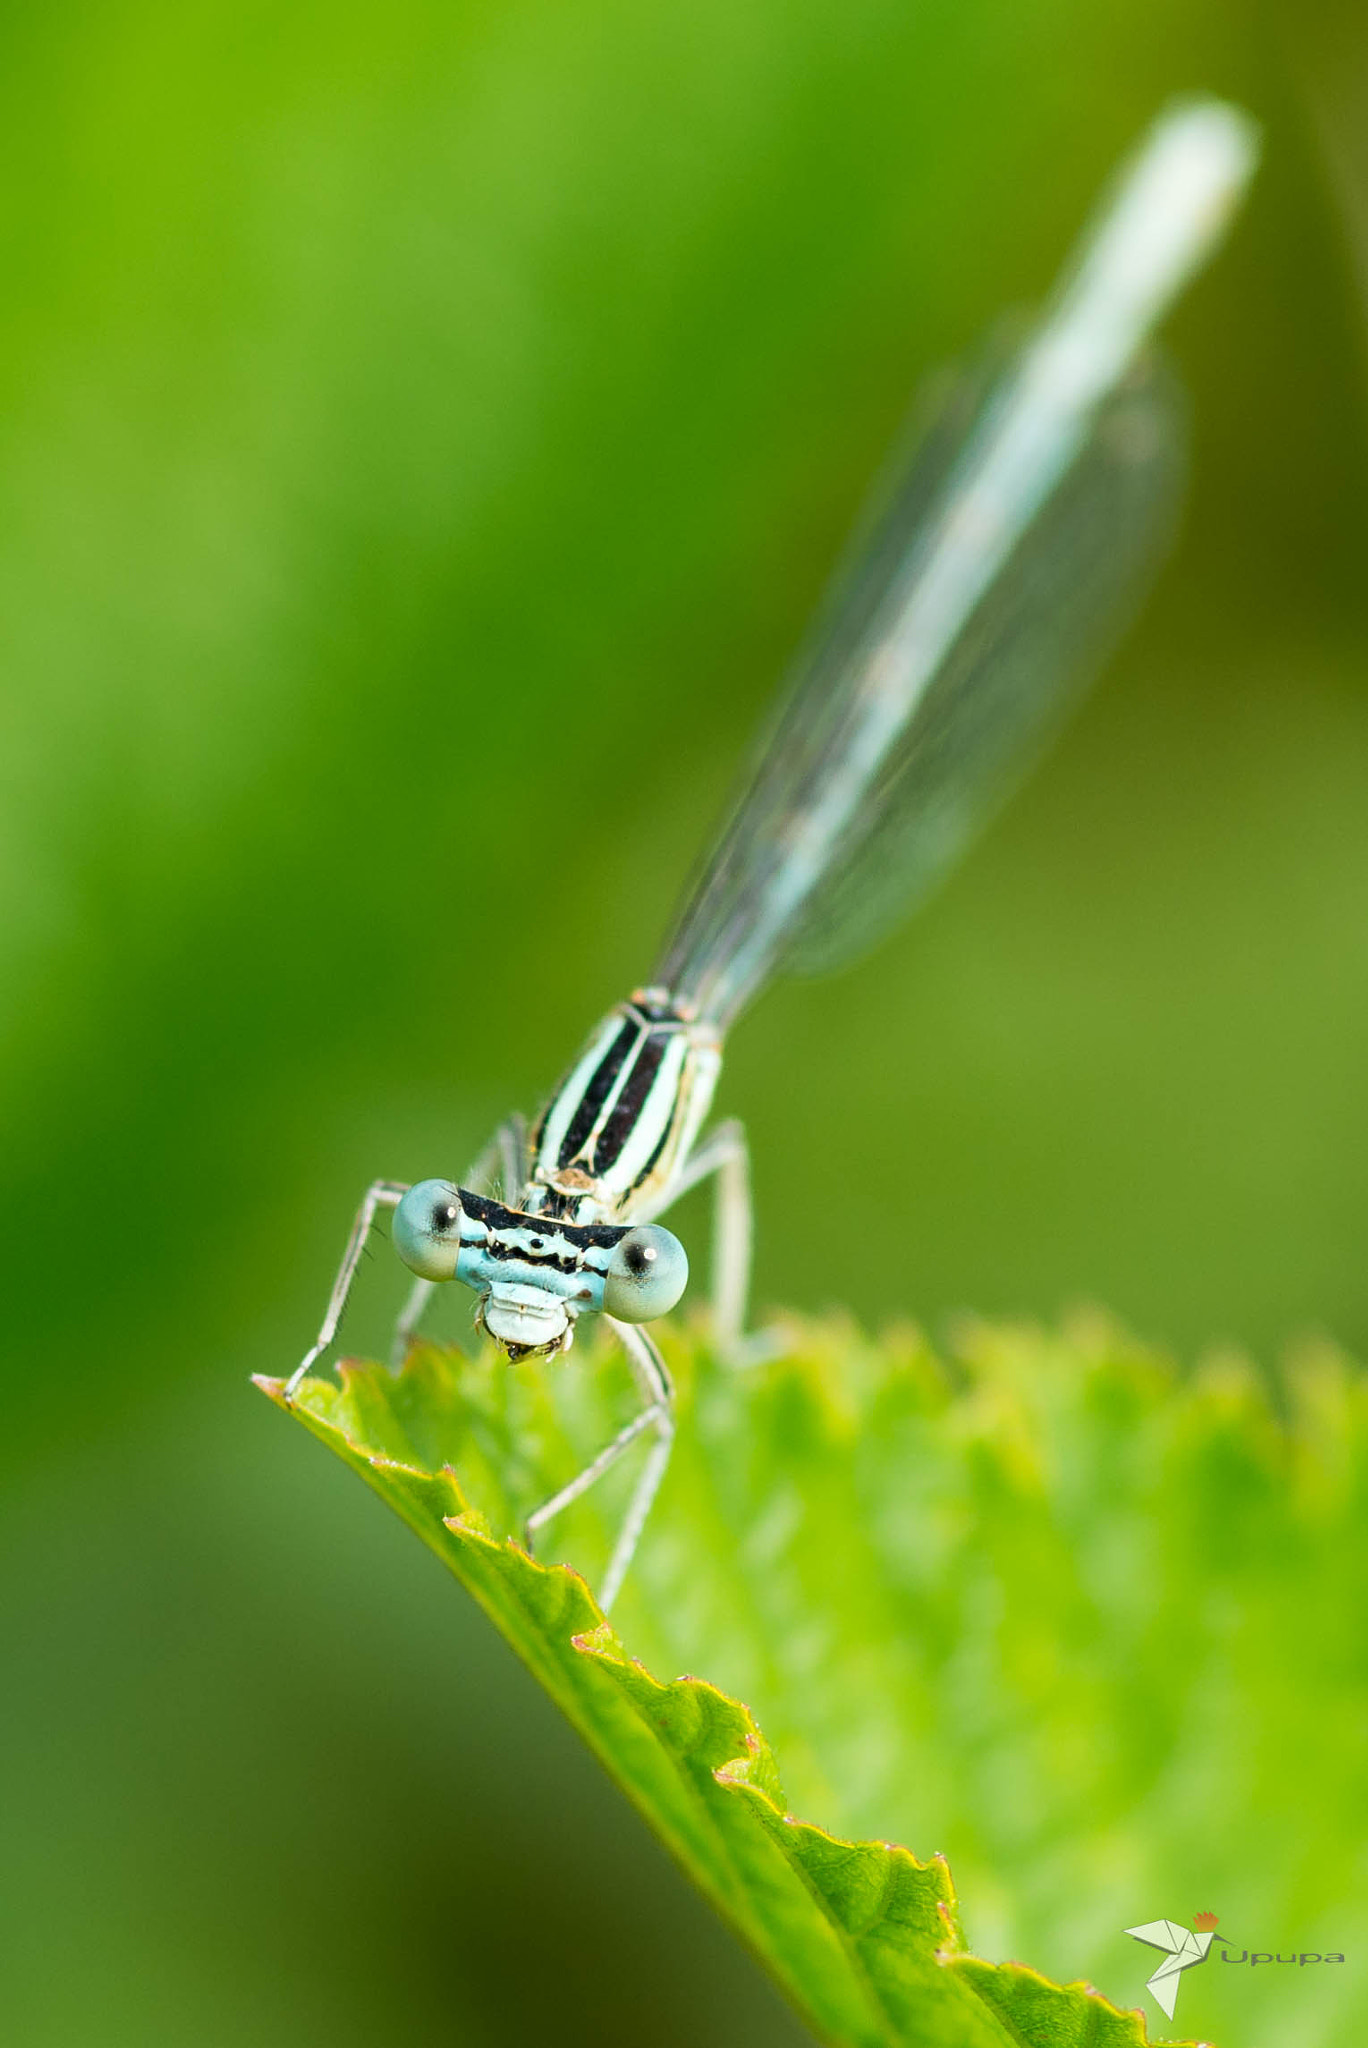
(993, 568)
(938, 667)
(1023, 660)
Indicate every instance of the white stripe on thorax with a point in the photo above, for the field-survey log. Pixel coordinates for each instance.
(562, 1110)
(653, 1119)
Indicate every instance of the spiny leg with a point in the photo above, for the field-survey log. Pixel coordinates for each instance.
(500, 1168)
(724, 1152)
(381, 1194)
(653, 1378)
(653, 1381)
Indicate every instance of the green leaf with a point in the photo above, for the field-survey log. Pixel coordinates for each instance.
(893, 1559)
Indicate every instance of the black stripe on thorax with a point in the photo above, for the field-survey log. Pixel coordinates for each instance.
(601, 1084)
(637, 1086)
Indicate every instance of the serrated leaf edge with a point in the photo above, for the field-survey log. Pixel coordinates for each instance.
(736, 1776)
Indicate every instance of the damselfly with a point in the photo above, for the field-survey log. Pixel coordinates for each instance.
(993, 564)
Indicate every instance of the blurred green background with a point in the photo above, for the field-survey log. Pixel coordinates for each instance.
(425, 432)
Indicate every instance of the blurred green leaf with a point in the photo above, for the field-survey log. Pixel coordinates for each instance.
(1048, 1521)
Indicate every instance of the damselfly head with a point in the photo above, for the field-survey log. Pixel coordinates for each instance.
(535, 1274)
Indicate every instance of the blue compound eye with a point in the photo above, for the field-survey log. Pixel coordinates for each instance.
(647, 1273)
(427, 1229)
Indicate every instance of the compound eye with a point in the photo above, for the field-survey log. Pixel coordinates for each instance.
(647, 1273)
(427, 1229)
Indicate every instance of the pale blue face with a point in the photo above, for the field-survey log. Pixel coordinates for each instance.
(536, 1275)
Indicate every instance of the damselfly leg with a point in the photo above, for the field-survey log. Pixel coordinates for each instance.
(652, 1376)
(381, 1194)
(725, 1155)
(722, 1152)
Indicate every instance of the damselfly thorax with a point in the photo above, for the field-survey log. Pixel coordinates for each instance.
(996, 560)
(613, 1136)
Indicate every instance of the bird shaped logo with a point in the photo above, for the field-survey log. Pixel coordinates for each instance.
(1182, 1946)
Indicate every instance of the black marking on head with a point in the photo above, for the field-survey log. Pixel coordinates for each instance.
(499, 1220)
(518, 1255)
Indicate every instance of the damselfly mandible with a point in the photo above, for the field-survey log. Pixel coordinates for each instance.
(996, 560)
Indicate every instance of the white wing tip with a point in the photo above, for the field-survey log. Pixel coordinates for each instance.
(1209, 147)
(1162, 218)
(1190, 173)
(1217, 128)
